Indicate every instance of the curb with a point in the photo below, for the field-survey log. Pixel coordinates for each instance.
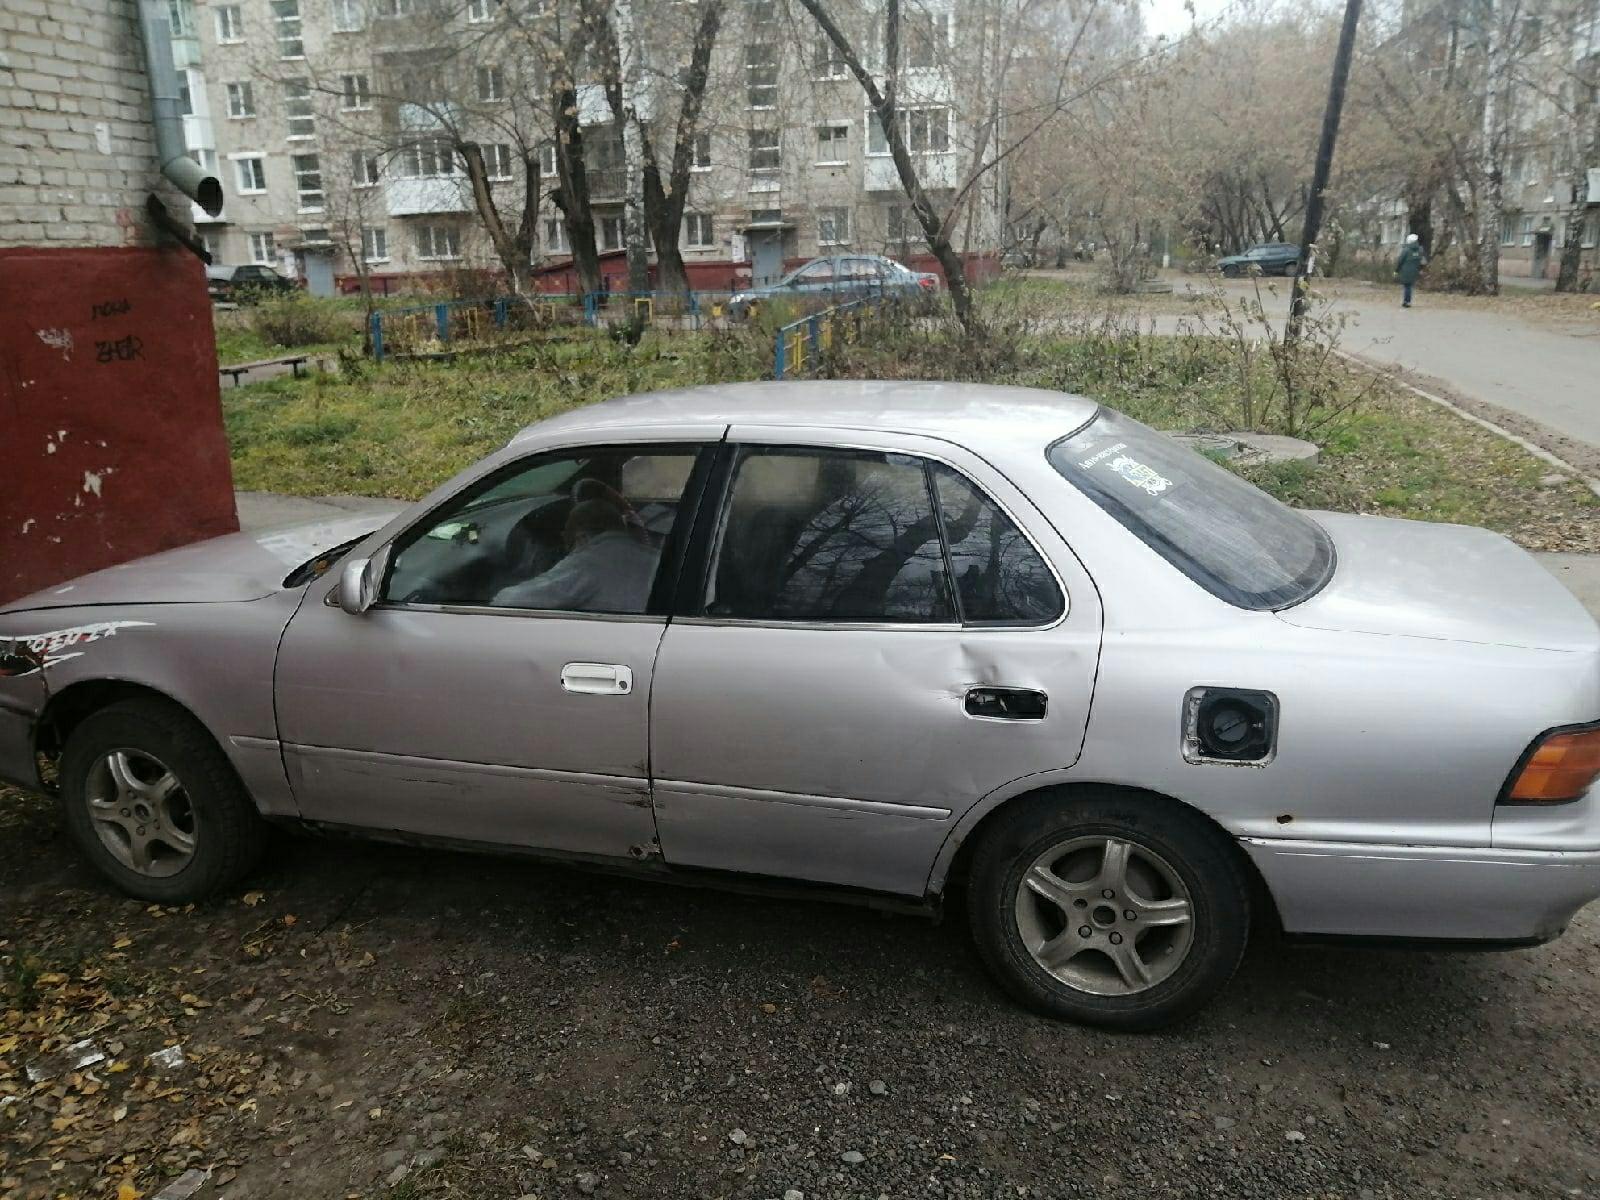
(1532, 448)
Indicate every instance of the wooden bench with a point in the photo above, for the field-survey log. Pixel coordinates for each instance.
(293, 361)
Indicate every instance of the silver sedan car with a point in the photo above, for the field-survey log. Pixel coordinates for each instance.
(882, 640)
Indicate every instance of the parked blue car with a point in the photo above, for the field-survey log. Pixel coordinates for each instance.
(1269, 258)
(838, 278)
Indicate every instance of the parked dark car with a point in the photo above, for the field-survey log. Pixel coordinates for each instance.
(1269, 258)
(836, 279)
(243, 283)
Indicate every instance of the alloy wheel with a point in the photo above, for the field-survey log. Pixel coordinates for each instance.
(141, 813)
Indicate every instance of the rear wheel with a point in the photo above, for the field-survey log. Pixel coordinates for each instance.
(1231, 272)
(1129, 912)
(155, 805)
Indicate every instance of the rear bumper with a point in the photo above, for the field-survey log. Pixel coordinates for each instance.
(1443, 893)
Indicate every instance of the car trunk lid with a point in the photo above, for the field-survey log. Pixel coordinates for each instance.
(1444, 582)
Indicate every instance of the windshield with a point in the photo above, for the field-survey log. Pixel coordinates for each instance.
(1227, 535)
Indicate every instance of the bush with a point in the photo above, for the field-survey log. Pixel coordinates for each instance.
(296, 319)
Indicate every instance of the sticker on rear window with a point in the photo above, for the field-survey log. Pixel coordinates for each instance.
(1143, 477)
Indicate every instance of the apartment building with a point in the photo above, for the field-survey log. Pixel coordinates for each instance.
(335, 124)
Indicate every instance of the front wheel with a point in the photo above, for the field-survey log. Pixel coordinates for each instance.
(1128, 912)
(155, 805)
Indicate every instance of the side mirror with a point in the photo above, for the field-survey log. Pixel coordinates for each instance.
(359, 580)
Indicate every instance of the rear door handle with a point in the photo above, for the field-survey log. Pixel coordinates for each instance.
(1006, 703)
(597, 679)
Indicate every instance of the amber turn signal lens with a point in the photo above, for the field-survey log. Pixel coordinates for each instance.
(1561, 768)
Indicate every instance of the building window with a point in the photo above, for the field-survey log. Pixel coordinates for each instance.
(833, 144)
(612, 233)
(428, 159)
(355, 92)
(765, 154)
(262, 250)
(700, 153)
(1508, 231)
(291, 42)
(697, 230)
(1527, 230)
(547, 160)
(1591, 231)
(761, 75)
(210, 242)
(491, 84)
(927, 131)
(555, 235)
(826, 61)
(375, 244)
(761, 13)
(395, 8)
(478, 11)
(347, 16)
(900, 224)
(317, 236)
(308, 181)
(364, 168)
(252, 173)
(833, 226)
(186, 94)
(438, 241)
(241, 100)
(297, 108)
(230, 23)
(926, 38)
(180, 14)
(497, 160)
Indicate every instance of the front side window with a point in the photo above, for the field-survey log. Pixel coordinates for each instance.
(832, 536)
(573, 531)
(1227, 535)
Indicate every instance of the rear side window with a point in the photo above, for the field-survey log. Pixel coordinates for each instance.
(1000, 578)
(829, 536)
(841, 536)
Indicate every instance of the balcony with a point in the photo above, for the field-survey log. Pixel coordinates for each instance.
(420, 197)
(607, 184)
(935, 171)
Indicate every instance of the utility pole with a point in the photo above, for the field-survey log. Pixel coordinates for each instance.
(1319, 178)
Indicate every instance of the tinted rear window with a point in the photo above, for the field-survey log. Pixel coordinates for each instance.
(1227, 535)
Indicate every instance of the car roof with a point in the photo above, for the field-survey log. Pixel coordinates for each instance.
(970, 414)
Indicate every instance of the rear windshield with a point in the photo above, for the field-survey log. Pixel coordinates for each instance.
(1227, 535)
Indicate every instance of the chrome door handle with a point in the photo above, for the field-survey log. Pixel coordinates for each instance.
(597, 679)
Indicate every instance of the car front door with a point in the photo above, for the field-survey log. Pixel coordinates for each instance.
(498, 691)
(877, 645)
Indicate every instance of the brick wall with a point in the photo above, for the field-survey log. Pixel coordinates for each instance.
(77, 151)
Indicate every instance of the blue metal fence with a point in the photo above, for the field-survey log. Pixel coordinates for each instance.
(799, 342)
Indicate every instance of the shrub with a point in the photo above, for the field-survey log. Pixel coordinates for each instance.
(297, 319)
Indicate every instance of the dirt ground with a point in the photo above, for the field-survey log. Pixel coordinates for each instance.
(371, 1021)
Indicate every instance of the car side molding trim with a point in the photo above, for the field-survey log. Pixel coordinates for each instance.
(632, 783)
(916, 812)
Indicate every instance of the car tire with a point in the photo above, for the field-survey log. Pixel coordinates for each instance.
(1106, 968)
(166, 843)
(1230, 272)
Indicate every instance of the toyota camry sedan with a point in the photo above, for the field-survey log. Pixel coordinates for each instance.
(881, 640)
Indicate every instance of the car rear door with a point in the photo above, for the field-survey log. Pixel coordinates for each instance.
(834, 690)
(499, 691)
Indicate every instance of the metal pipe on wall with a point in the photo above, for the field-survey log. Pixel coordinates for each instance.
(190, 178)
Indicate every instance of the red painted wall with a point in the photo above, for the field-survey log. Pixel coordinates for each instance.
(111, 437)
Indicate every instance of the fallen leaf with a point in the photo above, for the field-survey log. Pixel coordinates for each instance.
(289, 918)
(128, 1192)
(117, 1068)
(122, 943)
(254, 898)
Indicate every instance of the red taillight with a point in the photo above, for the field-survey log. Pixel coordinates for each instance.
(1561, 766)
(928, 281)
